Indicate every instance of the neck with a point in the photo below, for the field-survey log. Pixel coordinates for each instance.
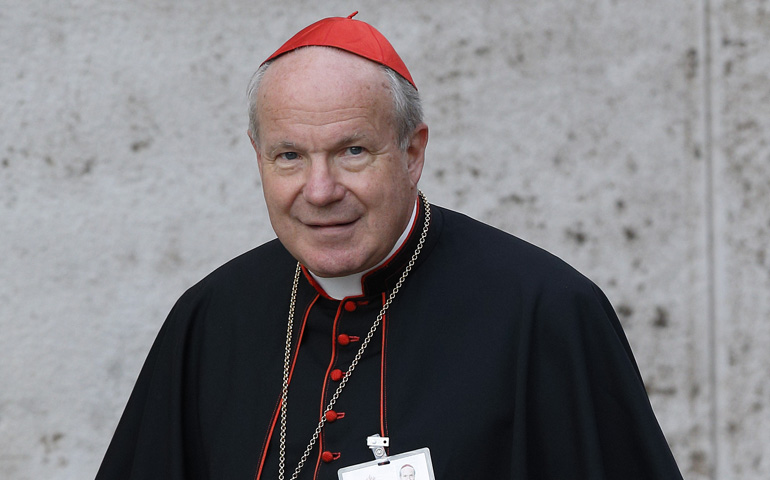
(350, 285)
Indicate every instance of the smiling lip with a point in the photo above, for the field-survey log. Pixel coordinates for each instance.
(329, 225)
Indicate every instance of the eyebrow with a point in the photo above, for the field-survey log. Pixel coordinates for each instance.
(284, 145)
(345, 141)
(351, 139)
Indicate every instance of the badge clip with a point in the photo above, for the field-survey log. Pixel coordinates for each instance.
(377, 444)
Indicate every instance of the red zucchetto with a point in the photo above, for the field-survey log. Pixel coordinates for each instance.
(351, 35)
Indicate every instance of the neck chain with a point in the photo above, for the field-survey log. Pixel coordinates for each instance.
(353, 364)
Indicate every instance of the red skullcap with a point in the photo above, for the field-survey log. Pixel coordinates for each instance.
(353, 36)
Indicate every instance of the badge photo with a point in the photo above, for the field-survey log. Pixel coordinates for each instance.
(414, 465)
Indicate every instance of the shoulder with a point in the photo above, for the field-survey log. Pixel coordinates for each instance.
(554, 299)
(252, 274)
(505, 258)
(226, 302)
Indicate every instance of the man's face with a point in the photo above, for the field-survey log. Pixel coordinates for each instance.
(338, 189)
(407, 473)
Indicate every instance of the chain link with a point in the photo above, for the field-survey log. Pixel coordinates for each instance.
(353, 364)
(286, 362)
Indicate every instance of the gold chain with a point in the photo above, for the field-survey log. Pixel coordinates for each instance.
(353, 364)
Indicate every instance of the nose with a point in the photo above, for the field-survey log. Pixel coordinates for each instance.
(321, 186)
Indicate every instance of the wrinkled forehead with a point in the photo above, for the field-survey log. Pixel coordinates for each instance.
(317, 59)
(324, 96)
(324, 75)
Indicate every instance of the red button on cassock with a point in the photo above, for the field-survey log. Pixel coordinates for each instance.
(327, 456)
(331, 416)
(343, 339)
(350, 306)
(336, 375)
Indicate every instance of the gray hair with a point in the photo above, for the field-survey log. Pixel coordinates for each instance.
(407, 108)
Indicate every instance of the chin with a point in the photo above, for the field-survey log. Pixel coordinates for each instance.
(340, 266)
(332, 271)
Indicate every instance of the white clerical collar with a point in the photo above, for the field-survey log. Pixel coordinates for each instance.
(350, 285)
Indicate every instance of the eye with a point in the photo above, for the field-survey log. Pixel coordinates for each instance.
(288, 156)
(355, 150)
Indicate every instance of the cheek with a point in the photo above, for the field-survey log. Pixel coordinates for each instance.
(278, 193)
(388, 183)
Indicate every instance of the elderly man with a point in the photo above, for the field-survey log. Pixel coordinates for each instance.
(375, 312)
(406, 472)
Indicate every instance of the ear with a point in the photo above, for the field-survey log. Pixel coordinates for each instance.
(415, 152)
(256, 150)
(251, 139)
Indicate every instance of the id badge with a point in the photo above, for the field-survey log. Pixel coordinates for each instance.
(414, 465)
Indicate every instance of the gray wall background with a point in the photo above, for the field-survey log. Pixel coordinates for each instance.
(628, 137)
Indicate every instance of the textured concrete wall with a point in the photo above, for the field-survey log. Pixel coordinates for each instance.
(740, 76)
(628, 137)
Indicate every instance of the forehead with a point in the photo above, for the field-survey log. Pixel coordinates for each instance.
(315, 78)
(324, 93)
(320, 58)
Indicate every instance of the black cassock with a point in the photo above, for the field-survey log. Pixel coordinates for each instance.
(496, 355)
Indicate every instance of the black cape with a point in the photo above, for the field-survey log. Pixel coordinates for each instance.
(498, 356)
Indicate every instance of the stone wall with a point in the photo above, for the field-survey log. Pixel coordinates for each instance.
(628, 137)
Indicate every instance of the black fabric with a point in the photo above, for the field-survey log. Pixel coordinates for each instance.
(499, 357)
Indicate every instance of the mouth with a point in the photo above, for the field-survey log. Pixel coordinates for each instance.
(330, 226)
